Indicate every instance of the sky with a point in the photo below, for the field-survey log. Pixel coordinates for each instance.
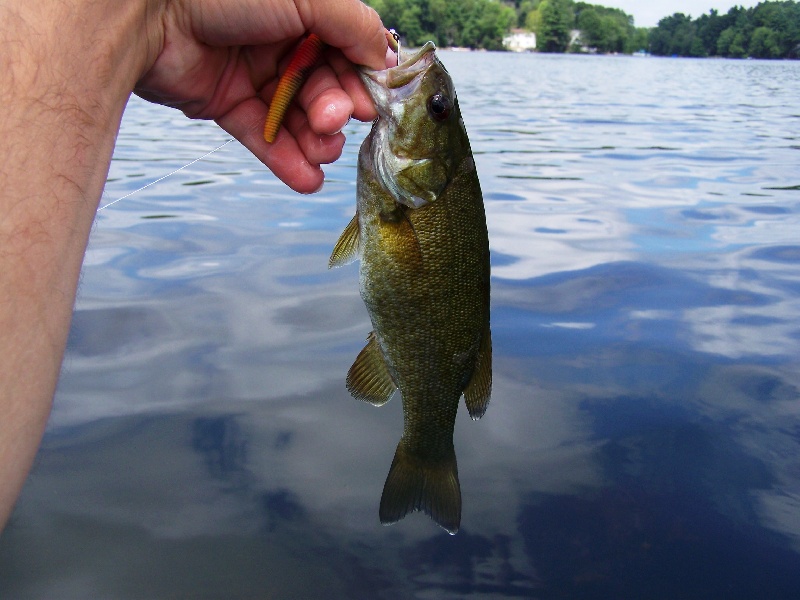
(647, 13)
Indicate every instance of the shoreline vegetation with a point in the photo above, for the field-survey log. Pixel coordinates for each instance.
(769, 30)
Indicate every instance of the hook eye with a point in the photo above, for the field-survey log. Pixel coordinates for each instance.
(396, 48)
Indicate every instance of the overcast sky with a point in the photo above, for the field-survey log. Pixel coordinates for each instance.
(646, 13)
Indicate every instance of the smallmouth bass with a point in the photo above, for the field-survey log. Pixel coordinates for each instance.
(420, 232)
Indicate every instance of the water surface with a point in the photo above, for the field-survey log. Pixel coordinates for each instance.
(643, 438)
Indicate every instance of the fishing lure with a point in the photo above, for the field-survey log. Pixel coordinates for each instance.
(301, 64)
(304, 59)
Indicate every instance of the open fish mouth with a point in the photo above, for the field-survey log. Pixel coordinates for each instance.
(392, 85)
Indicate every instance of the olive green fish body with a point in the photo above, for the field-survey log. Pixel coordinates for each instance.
(420, 231)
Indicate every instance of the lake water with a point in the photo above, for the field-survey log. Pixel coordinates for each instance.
(643, 439)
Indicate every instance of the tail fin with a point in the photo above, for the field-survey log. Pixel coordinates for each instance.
(416, 484)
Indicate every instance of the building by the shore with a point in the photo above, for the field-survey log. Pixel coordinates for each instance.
(520, 40)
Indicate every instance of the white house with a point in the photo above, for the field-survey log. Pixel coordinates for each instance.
(520, 40)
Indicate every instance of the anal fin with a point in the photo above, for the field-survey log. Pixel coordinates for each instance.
(347, 247)
(369, 378)
(479, 388)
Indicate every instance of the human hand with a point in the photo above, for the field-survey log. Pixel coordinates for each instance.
(222, 61)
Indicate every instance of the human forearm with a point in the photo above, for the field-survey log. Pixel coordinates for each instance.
(67, 70)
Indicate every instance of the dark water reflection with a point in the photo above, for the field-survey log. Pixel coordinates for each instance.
(643, 439)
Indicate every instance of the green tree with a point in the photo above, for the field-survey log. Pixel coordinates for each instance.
(557, 18)
(764, 43)
(409, 24)
(737, 47)
(674, 35)
(485, 23)
(473, 23)
(533, 20)
(769, 30)
(444, 15)
(524, 7)
(604, 29)
(638, 41)
(731, 43)
(590, 24)
(709, 29)
(725, 40)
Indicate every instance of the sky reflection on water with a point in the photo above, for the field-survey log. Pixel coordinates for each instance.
(642, 439)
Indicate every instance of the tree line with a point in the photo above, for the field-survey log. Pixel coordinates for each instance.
(769, 30)
(484, 23)
(464, 23)
(599, 28)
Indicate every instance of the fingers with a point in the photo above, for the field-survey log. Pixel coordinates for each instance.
(332, 95)
(297, 152)
(317, 149)
(309, 135)
(284, 158)
(347, 77)
(235, 92)
(311, 132)
(328, 106)
(347, 24)
(353, 27)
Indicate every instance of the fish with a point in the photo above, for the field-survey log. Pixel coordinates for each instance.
(421, 236)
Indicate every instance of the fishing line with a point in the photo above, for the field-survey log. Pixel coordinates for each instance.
(129, 194)
(391, 33)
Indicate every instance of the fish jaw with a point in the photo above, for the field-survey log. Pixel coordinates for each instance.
(389, 88)
(405, 167)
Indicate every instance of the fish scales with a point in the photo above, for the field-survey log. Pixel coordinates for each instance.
(420, 232)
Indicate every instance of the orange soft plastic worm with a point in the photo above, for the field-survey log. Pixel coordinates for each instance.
(304, 59)
(296, 73)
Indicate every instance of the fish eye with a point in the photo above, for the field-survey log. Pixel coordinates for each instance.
(439, 106)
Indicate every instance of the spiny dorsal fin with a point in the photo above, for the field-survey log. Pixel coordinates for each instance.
(369, 379)
(346, 249)
(479, 388)
(416, 484)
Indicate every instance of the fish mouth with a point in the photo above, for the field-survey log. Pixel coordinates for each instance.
(392, 85)
(392, 91)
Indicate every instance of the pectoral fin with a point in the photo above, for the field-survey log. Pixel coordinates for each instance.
(369, 379)
(346, 249)
(479, 388)
(399, 238)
